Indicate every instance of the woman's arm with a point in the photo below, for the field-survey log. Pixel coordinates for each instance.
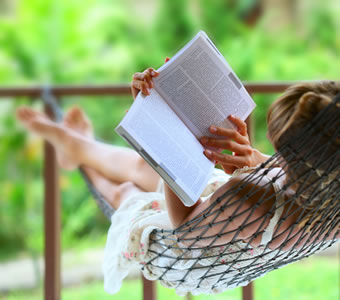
(178, 212)
(240, 211)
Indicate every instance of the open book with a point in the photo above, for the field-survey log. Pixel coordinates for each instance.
(195, 89)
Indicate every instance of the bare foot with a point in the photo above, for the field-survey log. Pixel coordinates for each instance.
(63, 139)
(26, 115)
(76, 120)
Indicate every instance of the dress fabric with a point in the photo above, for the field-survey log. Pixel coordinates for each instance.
(128, 246)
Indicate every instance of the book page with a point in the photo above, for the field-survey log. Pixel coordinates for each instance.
(167, 143)
(202, 89)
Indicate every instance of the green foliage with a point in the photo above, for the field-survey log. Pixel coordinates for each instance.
(92, 42)
(221, 19)
(287, 283)
(172, 35)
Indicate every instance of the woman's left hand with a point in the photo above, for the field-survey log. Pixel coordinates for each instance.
(236, 141)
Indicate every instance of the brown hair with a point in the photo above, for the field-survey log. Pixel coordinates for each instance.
(292, 112)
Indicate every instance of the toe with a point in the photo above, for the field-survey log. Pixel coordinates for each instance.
(72, 116)
(76, 112)
(76, 118)
(27, 114)
(24, 113)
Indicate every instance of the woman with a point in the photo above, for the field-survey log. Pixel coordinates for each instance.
(145, 203)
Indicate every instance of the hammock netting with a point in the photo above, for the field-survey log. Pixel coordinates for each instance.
(311, 158)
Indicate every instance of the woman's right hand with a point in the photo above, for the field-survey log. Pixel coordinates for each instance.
(143, 82)
(236, 141)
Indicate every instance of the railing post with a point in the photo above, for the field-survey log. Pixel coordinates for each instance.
(52, 282)
(149, 289)
(248, 290)
(250, 121)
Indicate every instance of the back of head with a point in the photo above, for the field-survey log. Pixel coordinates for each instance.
(297, 107)
(304, 125)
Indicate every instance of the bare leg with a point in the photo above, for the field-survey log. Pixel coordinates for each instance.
(116, 193)
(113, 192)
(118, 164)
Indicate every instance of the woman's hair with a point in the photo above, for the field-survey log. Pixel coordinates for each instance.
(310, 172)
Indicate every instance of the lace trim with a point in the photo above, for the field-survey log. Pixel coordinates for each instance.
(267, 236)
(246, 169)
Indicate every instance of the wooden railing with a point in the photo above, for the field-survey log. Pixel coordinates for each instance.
(52, 210)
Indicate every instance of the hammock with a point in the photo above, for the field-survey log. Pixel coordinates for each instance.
(314, 163)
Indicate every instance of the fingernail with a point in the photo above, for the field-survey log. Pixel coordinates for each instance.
(213, 129)
(208, 152)
(204, 140)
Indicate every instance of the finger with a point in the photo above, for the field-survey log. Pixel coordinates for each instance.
(237, 161)
(228, 169)
(145, 76)
(241, 125)
(211, 148)
(228, 144)
(230, 133)
(141, 86)
(138, 76)
(148, 79)
(134, 91)
(152, 72)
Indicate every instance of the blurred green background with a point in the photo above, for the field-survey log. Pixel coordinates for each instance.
(106, 41)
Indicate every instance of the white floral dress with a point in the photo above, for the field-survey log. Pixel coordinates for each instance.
(128, 246)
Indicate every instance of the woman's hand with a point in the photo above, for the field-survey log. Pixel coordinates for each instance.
(143, 82)
(236, 141)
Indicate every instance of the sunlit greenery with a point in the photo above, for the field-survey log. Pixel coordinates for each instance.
(278, 285)
(96, 42)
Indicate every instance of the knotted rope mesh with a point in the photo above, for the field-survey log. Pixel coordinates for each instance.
(212, 254)
(198, 249)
